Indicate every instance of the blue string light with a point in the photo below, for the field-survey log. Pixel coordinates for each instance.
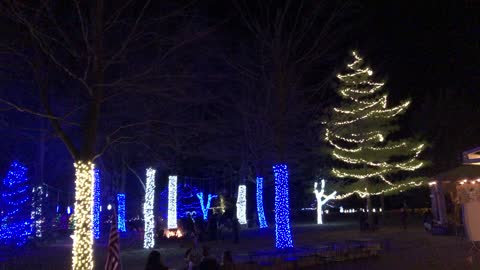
(205, 208)
(261, 213)
(16, 222)
(96, 204)
(121, 212)
(69, 210)
(187, 201)
(283, 235)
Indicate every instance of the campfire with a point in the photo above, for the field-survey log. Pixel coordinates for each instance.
(173, 233)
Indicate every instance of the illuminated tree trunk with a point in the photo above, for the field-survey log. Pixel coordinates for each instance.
(149, 236)
(96, 204)
(283, 235)
(321, 199)
(83, 237)
(172, 202)
(242, 204)
(262, 222)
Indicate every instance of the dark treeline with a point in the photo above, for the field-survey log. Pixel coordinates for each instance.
(221, 88)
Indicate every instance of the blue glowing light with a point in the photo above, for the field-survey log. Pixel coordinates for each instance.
(283, 235)
(205, 208)
(187, 202)
(121, 212)
(58, 208)
(69, 210)
(261, 213)
(96, 204)
(16, 221)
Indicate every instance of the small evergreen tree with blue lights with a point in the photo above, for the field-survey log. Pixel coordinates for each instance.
(15, 223)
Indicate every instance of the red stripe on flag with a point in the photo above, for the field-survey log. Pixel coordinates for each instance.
(113, 256)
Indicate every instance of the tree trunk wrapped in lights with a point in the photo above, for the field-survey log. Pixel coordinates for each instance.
(121, 212)
(172, 202)
(242, 204)
(149, 236)
(83, 236)
(96, 204)
(283, 235)
(359, 131)
(321, 199)
(262, 222)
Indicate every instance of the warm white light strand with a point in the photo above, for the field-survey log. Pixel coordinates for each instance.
(395, 111)
(382, 101)
(83, 216)
(363, 194)
(375, 88)
(374, 135)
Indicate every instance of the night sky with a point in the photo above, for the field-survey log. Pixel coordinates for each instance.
(428, 51)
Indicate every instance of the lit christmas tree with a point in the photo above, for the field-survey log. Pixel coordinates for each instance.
(15, 224)
(359, 133)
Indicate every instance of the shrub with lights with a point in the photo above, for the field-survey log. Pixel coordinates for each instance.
(358, 132)
(16, 221)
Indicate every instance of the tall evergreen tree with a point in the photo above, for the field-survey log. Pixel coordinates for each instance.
(15, 223)
(359, 132)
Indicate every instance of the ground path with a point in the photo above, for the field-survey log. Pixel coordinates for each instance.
(411, 249)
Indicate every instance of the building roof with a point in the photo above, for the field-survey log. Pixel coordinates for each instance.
(469, 172)
(472, 156)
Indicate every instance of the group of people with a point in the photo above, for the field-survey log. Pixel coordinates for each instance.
(211, 230)
(195, 259)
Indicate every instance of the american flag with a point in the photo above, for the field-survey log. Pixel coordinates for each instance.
(113, 256)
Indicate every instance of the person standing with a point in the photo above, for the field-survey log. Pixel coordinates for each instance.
(227, 261)
(236, 231)
(154, 261)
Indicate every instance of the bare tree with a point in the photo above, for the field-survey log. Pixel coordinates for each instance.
(88, 61)
(291, 37)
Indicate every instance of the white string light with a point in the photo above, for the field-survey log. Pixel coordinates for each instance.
(395, 111)
(172, 202)
(242, 204)
(367, 104)
(149, 235)
(83, 216)
(375, 87)
(382, 101)
(402, 166)
(363, 194)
